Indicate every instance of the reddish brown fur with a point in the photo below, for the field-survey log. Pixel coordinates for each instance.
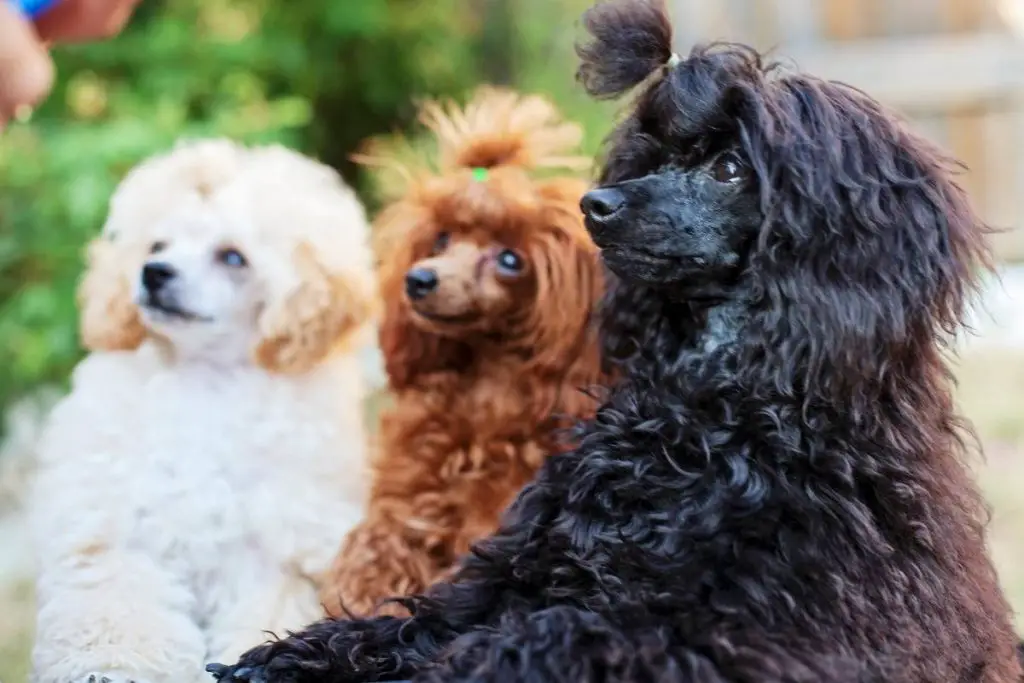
(478, 408)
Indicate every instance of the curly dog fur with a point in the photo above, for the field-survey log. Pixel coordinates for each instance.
(776, 491)
(487, 357)
(218, 411)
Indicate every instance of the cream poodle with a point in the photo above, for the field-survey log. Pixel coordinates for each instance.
(219, 414)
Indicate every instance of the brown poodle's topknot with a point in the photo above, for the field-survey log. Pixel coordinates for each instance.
(497, 127)
(502, 128)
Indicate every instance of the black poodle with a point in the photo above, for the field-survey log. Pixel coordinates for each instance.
(776, 490)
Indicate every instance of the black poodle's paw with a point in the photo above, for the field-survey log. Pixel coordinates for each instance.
(256, 666)
(225, 673)
(237, 673)
(248, 666)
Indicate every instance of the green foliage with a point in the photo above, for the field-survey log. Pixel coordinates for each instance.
(317, 75)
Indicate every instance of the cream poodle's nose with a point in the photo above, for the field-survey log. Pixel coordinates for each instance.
(156, 275)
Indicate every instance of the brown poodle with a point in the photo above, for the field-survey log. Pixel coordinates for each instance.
(489, 279)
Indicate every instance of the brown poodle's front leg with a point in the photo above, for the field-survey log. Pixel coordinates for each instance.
(384, 558)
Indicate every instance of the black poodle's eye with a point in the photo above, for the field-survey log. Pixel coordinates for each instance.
(157, 247)
(509, 262)
(441, 243)
(232, 258)
(729, 169)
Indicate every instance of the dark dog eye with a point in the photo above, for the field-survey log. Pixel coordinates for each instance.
(441, 243)
(232, 258)
(157, 247)
(510, 262)
(729, 169)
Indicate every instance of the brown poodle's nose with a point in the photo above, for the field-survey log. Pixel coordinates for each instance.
(155, 275)
(419, 282)
(602, 203)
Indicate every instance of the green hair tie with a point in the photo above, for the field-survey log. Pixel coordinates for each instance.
(479, 174)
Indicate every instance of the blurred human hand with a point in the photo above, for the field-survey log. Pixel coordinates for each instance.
(26, 70)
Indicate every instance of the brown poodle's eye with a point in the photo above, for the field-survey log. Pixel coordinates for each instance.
(232, 258)
(729, 169)
(157, 247)
(441, 243)
(509, 262)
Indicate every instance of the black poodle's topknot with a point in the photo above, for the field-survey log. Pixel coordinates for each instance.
(685, 97)
(631, 40)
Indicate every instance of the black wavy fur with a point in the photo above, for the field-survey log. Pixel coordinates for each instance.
(775, 491)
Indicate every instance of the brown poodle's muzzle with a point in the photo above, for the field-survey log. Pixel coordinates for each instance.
(457, 289)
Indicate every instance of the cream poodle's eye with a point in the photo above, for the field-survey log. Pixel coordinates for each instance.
(509, 262)
(441, 243)
(232, 258)
(157, 247)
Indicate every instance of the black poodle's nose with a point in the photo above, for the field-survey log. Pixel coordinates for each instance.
(602, 203)
(155, 275)
(419, 282)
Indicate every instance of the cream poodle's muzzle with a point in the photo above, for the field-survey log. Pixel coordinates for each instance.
(199, 276)
(161, 293)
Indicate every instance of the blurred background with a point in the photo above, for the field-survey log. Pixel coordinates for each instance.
(325, 76)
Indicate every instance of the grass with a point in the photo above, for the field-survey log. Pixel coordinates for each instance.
(15, 631)
(990, 393)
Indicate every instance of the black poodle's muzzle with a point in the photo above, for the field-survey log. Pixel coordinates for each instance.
(618, 220)
(675, 227)
(603, 210)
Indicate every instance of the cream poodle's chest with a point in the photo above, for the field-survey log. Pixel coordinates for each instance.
(231, 469)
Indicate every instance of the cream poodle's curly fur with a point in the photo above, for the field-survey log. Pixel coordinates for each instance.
(219, 413)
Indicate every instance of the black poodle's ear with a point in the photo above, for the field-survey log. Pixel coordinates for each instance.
(869, 251)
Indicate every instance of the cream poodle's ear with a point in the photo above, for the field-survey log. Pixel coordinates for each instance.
(302, 326)
(109, 317)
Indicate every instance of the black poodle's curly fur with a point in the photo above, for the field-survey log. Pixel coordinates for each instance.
(776, 490)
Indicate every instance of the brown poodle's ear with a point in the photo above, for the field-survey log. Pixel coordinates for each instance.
(302, 325)
(569, 283)
(404, 233)
(109, 317)
(409, 352)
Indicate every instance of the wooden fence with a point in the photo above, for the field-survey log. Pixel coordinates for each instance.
(953, 67)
